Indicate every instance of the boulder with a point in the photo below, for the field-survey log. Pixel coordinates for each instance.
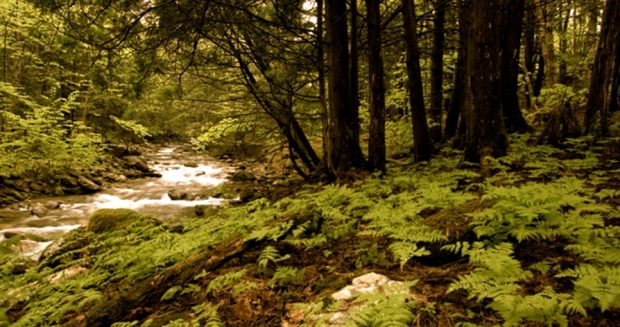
(87, 185)
(66, 180)
(138, 163)
(51, 205)
(176, 195)
(107, 220)
(190, 164)
(39, 187)
(38, 210)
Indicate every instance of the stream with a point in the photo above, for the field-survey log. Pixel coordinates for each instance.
(183, 174)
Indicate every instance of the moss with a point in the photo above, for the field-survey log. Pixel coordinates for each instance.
(107, 220)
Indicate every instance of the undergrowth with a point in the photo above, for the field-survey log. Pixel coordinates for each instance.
(541, 236)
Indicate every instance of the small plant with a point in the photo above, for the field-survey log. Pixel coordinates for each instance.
(286, 276)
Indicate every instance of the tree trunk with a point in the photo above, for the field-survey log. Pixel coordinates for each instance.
(529, 50)
(457, 101)
(321, 72)
(422, 147)
(593, 19)
(615, 85)
(344, 152)
(563, 74)
(437, 68)
(544, 13)
(376, 87)
(354, 77)
(485, 132)
(510, 43)
(599, 96)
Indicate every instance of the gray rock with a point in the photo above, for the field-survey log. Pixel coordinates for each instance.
(38, 187)
(87, 185)
(38, 210)
(51, 205)
(176, 195)
(67, 180)
(137, 163)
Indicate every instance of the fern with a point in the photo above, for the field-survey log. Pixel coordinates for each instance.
(207, 315)
(595, 287)
(270, 255)
(537, 211)
(225, 281)
(286, 276)
(496, 278)
(405, 251)
(392, 307)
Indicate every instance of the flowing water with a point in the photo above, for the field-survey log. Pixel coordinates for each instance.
(181, 172)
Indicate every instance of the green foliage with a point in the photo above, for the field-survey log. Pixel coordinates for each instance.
(130, 131)
(270, 256)
(394, 307)
(395, 133)
(496, 278)
(107, 220)
(229, 135)
(557, 96)
(538, 211)
(44, 141)
(225, 281)
(596, 287)
(287, 276)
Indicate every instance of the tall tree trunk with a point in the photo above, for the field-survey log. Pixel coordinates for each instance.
(563, 73)
(344, 152)
(540, 75)
(485, 132)
(510, 42)
(529, 50)
(321, 72)
(457, 101)
(544, 14)
(615, 85)
(439, 20)
(599, 96)
(354, 71)
(593, 19)
(376, 87)
(422, 146)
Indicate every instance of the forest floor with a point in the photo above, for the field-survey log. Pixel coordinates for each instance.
(535, 242)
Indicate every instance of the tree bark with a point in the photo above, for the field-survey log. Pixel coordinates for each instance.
(376, 88)
(510, 44)
(321, 72)
(600, 90)
(422, 146)
(544, 9)
(354, 77)
(563, 73)
(529, 50)
(437, 52)
(344, 152)
(457, 101)
(485, 132)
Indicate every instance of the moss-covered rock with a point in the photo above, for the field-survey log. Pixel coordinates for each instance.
(107, 220)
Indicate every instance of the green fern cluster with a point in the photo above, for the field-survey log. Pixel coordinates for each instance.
(537, 211)
(398, 218)
(495, 280)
